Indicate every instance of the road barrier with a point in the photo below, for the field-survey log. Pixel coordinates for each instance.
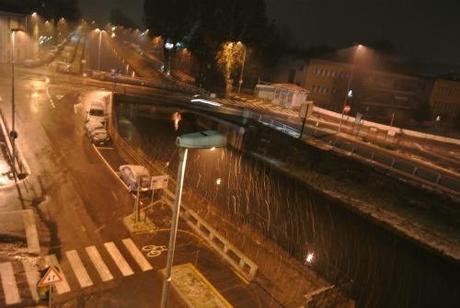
(386, 128)
(431, 175)
(237, 259)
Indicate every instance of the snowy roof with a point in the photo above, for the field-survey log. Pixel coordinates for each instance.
(290, 87)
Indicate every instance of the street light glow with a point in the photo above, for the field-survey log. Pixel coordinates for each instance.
(309, 258)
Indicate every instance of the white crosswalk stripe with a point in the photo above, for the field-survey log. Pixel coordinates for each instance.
(118, 258)
(85, 270)
(79, 270)
(10, 289)
(32, 276)
(99, 264)
(137, 255)
(62, 286)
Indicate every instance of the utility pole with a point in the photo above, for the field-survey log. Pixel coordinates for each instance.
(348, 92)
(240, 82)
(13, 133)
(99, 52)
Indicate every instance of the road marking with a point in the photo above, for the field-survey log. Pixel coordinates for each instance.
(137, 255)
(32, 277)
(100, 266)
(119, 260)
(79, 270)
(63, 286)
(110, 167)
(33, 244)
(10, 289)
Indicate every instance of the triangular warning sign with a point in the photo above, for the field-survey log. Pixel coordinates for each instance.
(50, 278)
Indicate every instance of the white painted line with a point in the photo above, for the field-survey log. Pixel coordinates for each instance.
(99, 264)
(119, 260)
(137, 255)
(10, 289)
(63, 286)
(79, 270)
(110, 167)
(32, 276)
(33, 244)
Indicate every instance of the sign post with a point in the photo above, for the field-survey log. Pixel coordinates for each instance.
(50, 278)
(158, 182)
(305, 111)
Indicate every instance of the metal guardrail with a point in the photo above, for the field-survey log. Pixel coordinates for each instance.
(433, 176)
(410, 169)
(237, 259)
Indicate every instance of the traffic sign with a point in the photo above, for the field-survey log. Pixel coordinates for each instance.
(346, 109)
(159, 182)
(51, 277)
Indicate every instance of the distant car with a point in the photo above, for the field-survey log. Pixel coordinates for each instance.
(60, 66)
(131, 174)
(203, 100)
(31, 62)
(96, 111)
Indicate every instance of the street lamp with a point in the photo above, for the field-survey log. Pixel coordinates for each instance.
(99, 49)
(169, 46)
(13, 133)
(349, 91)
(240, 82)
(202, 140)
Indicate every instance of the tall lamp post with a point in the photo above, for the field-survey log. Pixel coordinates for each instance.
(202, 140)
(99, 49)
(13, 133)
(240, 82)
(348, 92)
(169, 46)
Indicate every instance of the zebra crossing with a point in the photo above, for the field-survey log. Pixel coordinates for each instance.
(79, 269)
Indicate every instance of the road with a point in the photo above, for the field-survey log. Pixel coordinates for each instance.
(81, 204)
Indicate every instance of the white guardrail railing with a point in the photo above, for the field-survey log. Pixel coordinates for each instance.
(235, 257)
(396, 130)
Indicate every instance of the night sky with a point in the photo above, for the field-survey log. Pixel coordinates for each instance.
(422, 30)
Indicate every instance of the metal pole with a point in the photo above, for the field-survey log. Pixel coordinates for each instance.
(12, 79)
(242, 69)
(169, 63)
(99, 52)
(174, 223)
(13, 105)
(392, 119)
(348, 88)
(136, 204)
(50, 296)
(303, 125)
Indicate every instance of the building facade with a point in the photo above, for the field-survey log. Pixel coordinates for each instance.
(445, 100)
(380, 95)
